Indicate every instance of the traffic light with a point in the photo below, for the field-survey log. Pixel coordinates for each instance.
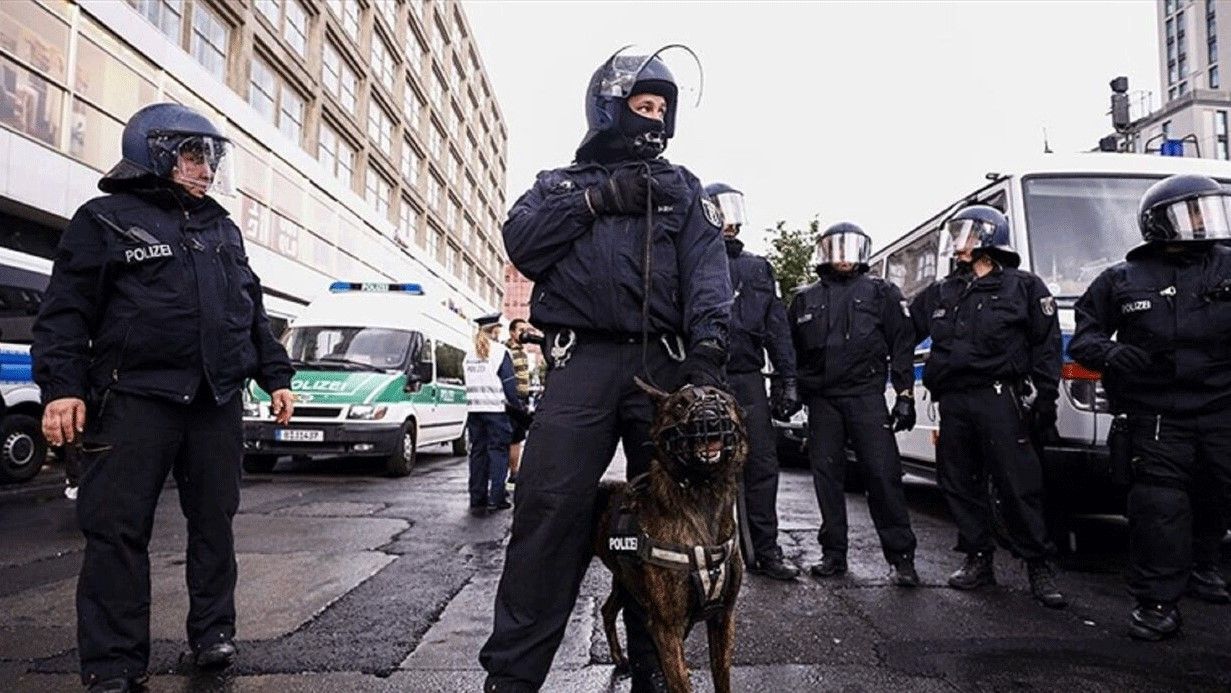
(1120, 118)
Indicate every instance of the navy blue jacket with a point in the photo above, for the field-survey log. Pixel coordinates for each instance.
(1178, 310)
(758, 318)
(149, 298)
(998, 328)
(851, 334)
(587, 270)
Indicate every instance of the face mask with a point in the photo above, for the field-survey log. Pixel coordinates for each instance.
(646, 136)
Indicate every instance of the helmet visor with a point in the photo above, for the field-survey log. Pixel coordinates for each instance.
(625, 68)
(963, 235)
(194, 161)
(854, 248)
(731, 204)
(1202, 219)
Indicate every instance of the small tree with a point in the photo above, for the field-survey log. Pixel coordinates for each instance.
(791, 256)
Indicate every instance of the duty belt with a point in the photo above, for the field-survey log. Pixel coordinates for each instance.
(708, 567)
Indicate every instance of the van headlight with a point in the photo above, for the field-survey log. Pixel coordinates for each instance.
(366, 412)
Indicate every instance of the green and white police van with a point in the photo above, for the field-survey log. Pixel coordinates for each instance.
(378, 374)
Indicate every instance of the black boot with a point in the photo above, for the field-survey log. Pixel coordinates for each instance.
(831, 565)
(772, 565)
(1043, 584)
(977, 571)
(902, 571)
(1154, 621)
(1207, 584)
(216, 655)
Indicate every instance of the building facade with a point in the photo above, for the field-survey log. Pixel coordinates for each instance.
(516, 293)
(368, 143)
(1194, 38)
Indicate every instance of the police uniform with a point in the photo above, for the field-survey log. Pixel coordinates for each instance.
(989, 334)
(1178, 409)
(154, 318)
(589, 267)
(758, 324)
(491, 388)
(851, 333)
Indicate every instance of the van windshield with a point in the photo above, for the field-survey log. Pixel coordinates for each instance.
(353, 348)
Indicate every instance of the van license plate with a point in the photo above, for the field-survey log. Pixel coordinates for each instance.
(299, 435)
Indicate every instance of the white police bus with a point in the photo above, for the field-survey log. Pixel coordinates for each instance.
(23, 280)
(1070, 217)
(378, 374)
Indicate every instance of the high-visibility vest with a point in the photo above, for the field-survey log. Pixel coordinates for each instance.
(484, 389)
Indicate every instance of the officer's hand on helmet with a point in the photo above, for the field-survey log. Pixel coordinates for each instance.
(786, 400)
(282, 405)
(63, 419)
(903, 414)
(1127, 358)
(706, 364)
(623, 193)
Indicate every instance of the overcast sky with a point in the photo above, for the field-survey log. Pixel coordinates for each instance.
(877, 113)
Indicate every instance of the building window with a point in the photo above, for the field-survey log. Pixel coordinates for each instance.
(290, 119)
(414, 51)
(1220, 133)
(289, 19)
(269, 10)
(1214, 81)
(433, 243)
(382, 63)
(435, 142)
(408, 219)
(1182, 89)
(208, 43)
(438, 89)
(377, 191)
(348, 12)
(451, 259)
(380, 127)
(412, 107)
(1183, 66)
(438, 39)
(410, 164)
(338, 78)
(263, 89)
(164, 14)
(433, 192)
(389, 10)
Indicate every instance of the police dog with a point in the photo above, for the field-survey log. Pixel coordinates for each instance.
(669, 537)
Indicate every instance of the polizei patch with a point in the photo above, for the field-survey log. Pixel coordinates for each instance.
(1135, 306)
(622, 544)
(1048, 305)
(149, 252)
(712, 214)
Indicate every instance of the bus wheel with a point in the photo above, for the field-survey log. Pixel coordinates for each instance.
(22, 448)
(260, 464)
(403, 457)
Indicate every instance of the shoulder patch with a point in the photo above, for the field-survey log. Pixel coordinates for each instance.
(712, 214)
(1048, 305)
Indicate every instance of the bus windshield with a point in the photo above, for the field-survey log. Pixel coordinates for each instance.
(353, 347)
(1080, 225)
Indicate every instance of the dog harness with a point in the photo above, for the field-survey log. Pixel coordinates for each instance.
(708, 567)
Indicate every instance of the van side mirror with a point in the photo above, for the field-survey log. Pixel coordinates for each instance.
(418, 374)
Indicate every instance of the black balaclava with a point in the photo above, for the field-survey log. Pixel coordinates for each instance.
(635, 137)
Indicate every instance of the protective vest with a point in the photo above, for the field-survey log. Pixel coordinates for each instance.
(484, 389)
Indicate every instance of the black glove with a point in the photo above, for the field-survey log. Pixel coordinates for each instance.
(532, 337)
(1043, 421)
(1127, 358)
(903, 414)
(706, 365)
(786, 400)
(623, 193)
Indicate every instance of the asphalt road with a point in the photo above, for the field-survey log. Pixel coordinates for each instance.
(352, 581)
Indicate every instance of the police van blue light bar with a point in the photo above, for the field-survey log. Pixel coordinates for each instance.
(375, 288)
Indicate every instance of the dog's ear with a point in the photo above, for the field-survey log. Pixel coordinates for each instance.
(655, 394)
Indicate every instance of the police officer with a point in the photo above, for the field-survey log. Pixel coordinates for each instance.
(1168, 372)
(851, 332)
(995, 343)
(491, 392)
(627, 261)
(151, 323)
(758, 323)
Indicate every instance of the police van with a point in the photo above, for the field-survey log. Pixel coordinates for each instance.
(23, 280)
(378, 374)
(1070, 217)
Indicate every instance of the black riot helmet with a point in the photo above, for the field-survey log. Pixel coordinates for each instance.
(156, 136)
(843, 242)
(609, 121)
(730, 202)
(981, 229)
(1185, 208)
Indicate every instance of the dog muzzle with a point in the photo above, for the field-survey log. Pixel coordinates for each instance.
(705, 435)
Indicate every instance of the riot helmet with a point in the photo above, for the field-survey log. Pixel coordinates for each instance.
(730, 202)
(843, 242)
(611, 123)
(1185, 208)
(981, 229)
(171, 142)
